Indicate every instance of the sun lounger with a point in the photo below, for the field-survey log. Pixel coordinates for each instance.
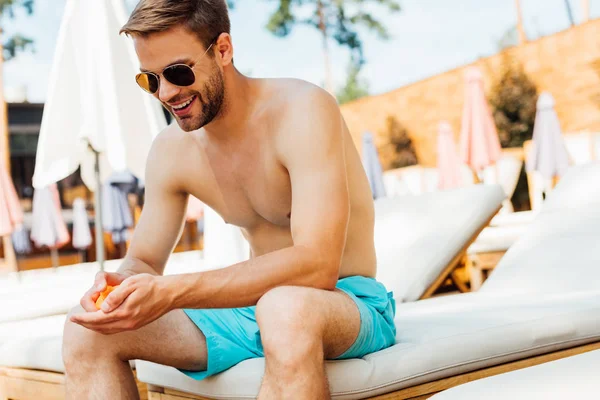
(488, 249)
(440, 338)
(446, 341)
(575, 190)
(39, 293)
(518, 319)
(569, 220)
(506, 172)
(583, 150)
(407, 229)
(568, 378)
(419, 240)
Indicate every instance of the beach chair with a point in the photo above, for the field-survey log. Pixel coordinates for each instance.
(441, 342)
(572, 377)
(506, 228)
(566, 221)
(32, 321)
(583, 148)
(45, 292)
(541, 303)
(552, 253)
(568, 378)
(418, 242)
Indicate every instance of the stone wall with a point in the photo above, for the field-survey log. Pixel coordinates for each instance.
(567, 64)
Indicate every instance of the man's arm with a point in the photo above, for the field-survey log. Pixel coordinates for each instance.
(312, 151)
(163, 213)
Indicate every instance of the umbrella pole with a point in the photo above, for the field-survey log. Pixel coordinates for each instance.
(10, 258)
(54, 257)
(98, 214)
(476, 177)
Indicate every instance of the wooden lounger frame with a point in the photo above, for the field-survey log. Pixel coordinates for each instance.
(450, 270)
(29, 384)
(25, 384)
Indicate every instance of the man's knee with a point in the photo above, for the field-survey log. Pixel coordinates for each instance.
(81, 345)
(288, 323)
(287, 307)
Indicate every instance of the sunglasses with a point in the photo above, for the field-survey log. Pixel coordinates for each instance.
(177, 74)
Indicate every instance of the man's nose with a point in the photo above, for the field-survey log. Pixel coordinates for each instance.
(167, 90)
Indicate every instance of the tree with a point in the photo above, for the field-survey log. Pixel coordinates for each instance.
(509, 38)
(17, 42)
(355, 88)
(569, 12)
(397, 149)
(585, 7)
(337, 19)
(513, 100)
(520, 28)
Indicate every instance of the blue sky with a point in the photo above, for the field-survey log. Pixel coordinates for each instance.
(427, 37)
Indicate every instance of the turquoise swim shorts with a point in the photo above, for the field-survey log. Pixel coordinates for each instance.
(232, 334)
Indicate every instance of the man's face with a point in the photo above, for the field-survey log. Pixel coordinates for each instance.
(193, 106)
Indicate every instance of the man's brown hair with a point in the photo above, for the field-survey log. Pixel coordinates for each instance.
(205, 18)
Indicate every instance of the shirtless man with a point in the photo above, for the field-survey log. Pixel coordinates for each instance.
(272, 156)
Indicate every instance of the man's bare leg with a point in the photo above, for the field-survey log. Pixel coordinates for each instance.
(97, 366)
(300, 327)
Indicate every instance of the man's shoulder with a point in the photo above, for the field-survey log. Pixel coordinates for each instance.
(170, 151)
(305, 114)
(171, 142)
(296, 104)
(292, 92)
(172, 135)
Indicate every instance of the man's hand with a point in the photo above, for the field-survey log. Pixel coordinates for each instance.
(136, 302)
(103, 279)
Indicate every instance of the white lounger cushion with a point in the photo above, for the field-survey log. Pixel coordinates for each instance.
(513, 218)
(32, 328)
(579, 187)
(416, 237)
(497, 238)
(559, 251)
(51, 292)
(573, 377)
(436, 338)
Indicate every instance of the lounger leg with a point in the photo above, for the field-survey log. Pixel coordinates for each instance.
(475, 273)
(458, 282)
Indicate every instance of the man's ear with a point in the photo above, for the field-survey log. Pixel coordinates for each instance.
(224, 47)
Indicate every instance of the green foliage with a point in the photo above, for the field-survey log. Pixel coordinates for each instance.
(355, 88)
(513, 100)
(397, 149)
(332, 17)
(508, 39)
(7, 7)
(17, 42)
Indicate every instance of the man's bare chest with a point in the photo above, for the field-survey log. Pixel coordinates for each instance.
(250, 188)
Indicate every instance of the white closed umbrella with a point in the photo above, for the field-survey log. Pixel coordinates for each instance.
(117, 217)
(372, 166)
(549, 156)
(48, 227)
(82, 236)
(95, 116)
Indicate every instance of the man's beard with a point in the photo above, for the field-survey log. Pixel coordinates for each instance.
(211, 103)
